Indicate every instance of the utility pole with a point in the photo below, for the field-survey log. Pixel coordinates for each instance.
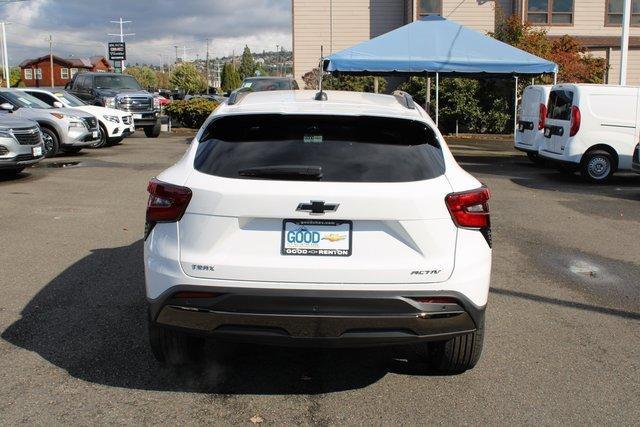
(51, 58)
(5, 55)
(277, 60)
(176, 54)
(122, 35)
(624, 41)
(207, 67)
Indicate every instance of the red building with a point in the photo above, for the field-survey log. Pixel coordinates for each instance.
(37, 72)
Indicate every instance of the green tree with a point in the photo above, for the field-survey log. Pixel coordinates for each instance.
(348, 83)
(247, 64)
(187, 78)
(15, 77)
(230, 77)
(144, 75)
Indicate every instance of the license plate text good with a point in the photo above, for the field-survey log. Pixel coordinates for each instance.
(316, 237)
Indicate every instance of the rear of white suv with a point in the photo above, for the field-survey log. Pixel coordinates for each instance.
(343, 222)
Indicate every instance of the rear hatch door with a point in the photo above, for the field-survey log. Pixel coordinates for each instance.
(377, 214)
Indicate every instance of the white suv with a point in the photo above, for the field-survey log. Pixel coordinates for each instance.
(337, 222)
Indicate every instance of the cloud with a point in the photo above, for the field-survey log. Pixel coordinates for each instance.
(80, 27)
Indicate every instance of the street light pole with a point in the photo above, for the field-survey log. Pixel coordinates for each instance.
(5, 55)
(624, 41)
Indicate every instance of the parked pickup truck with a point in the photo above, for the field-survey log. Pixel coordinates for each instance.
(122, 92)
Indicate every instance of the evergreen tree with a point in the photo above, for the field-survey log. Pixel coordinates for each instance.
(247, 64)
(230, 77)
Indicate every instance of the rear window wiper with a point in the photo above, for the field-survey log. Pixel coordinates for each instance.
(302, 172)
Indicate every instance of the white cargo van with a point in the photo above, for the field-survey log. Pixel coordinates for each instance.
(591, 128)
(533, 112)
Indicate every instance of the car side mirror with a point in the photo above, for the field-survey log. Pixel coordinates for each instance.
(57, 104)
(5, 106)
(227, 93)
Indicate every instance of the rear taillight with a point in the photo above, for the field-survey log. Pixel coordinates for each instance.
(543, 116)
(575, 121)
(167, 202)
(470, 209)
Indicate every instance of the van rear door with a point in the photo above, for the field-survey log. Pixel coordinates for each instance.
(532, 98)
(558, 126)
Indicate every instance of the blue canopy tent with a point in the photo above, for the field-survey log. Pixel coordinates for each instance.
(434, 46)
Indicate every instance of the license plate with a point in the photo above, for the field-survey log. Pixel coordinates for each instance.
(137, 116)
(316, 237)
(36, 151)
(94, 134)
(521, 127)
(547, 132)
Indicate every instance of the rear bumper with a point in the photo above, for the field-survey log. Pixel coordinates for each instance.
(316, 318)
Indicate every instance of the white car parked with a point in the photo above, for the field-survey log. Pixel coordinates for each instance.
(592, 128)
(115, 125)
(342, 222)
(533, 113)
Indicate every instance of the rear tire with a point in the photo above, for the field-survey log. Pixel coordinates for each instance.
(152, 131)
(51, 144)
(597, 166)
(174, 348)
(536, 159)
(455, 355)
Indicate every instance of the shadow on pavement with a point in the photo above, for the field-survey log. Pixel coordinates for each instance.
(90, 321)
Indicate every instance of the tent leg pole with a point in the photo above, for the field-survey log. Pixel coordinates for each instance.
(437, 97)
(375, 85)
(515, 107)
(555, 78)
(427, 101)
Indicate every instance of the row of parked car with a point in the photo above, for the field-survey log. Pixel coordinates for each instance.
(593, 129)
(94, 110)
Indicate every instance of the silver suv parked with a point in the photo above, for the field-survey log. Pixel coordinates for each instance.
(63, 129)
(20, 144)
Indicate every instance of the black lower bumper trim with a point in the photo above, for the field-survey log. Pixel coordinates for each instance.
(317, 318)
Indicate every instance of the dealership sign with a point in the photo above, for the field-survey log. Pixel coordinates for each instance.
(117, 51)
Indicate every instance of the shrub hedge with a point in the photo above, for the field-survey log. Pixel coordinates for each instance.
(191, 113)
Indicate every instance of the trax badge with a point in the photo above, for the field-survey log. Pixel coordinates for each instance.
(202, 267)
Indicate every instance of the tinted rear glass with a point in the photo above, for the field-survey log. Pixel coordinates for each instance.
(560, 102)
(345, 148)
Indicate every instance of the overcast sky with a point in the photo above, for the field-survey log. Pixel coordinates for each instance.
(80, 27)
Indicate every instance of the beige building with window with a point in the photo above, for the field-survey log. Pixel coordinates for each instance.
(338, 24)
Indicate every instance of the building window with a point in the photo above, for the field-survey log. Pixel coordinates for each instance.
(429, 7)
(615, 8)
(39, 74)
(74, 71)
(28, 74)
(64, 73)
(550, 12)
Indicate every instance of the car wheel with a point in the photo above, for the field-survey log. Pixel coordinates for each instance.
(104, 136)
(11, 172)
(51, 144)
(152, 131)
(174, 348)
(597, 166)
(116, 141)
(71, 150)
(535, 158)
(455, 355)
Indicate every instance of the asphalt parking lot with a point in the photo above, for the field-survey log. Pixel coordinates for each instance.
(563, 322)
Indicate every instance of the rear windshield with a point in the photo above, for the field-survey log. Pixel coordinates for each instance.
(323, 148)
(560, 102)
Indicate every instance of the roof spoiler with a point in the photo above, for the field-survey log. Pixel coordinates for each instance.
(237, 95)
(404, 99)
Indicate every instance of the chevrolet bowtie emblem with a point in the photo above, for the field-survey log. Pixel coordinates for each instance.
(317, 207)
